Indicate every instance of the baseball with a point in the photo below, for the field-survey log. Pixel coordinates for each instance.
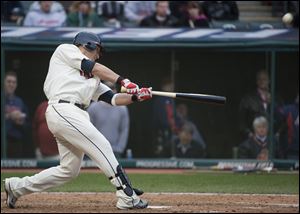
(287, 18)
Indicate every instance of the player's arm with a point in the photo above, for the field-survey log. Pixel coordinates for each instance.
(72, 56)
(119, 99)
(124, 99)
(106, 74)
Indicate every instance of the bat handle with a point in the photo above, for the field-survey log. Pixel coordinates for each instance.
(123, 89)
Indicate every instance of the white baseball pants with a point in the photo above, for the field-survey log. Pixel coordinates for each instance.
(75, 136)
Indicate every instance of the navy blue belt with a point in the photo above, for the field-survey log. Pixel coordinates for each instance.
(81, 106)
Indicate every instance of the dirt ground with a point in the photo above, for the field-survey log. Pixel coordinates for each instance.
(158, 202)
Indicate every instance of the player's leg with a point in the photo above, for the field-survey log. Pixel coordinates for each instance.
(82, 134)
(70, 163)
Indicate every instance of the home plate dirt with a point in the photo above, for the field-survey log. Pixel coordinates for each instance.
(158, 202)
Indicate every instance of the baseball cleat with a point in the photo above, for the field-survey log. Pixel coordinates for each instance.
(140, 205)
(10, 198)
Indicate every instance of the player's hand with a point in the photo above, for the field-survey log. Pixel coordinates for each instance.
(131, 88)
(144, 94)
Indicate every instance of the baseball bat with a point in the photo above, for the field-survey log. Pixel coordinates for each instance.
(203, 98)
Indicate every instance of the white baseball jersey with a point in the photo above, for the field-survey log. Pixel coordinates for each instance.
(65, 80)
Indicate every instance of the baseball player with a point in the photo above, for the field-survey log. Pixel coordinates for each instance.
(73, 80)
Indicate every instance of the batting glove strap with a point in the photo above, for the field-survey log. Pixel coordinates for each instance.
(134, 98)
(119, 80)
(131, 88)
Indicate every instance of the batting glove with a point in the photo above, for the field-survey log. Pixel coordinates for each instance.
(131, 88)
(144, 94)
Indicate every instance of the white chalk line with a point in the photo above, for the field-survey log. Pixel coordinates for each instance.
(159, 207)
(201, 211)
(268, 204)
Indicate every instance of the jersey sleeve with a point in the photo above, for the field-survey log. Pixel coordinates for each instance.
(71, 55)
(101, 89)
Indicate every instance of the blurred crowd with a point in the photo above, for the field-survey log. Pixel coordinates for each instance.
(190, 14)
(118, 13)
(175, 135)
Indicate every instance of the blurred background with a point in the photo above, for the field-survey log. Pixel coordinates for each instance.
(247, 51)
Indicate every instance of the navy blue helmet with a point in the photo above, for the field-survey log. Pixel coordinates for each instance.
(88, 40)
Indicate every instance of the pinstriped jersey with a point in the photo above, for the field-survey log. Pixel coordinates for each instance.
(65, 79)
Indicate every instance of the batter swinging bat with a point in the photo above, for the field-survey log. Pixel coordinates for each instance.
(204, 98)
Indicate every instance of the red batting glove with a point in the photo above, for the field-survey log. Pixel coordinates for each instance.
(131, 88)
(144, 94)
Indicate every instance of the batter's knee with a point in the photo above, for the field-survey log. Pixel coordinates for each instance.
(70, 172)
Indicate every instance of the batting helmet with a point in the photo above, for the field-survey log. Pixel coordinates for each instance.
(88, 40)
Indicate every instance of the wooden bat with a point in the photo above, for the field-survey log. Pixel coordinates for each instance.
(203, 98)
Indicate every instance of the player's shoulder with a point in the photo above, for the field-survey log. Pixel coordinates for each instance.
(67, 47)
(66, 50)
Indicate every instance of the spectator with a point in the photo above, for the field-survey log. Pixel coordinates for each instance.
(179, 9)
(182, 118)
(185, 146)
(136, 11)
(112, 12)
(195, 17)
(46, 146)
(45, 15)
(12, 12)
(221, 10)
(164, 124)
(263, 155)
(289, 136)
(255, 104)
(82, 15)
(161, 17)
(112, 122)
(256, 146)
(16, 117)
(55, 7)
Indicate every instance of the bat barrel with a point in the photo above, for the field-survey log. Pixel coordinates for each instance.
(202, 98)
